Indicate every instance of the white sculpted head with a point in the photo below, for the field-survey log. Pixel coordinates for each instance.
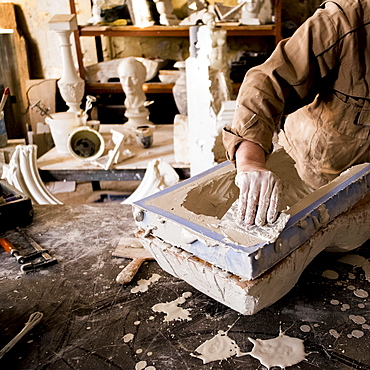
(132, 75)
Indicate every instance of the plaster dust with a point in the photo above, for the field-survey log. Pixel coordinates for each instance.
(143, 284)
(172, 309)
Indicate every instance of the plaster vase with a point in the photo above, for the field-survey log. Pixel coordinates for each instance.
(61, 125)
(72, 92)
(179, 90)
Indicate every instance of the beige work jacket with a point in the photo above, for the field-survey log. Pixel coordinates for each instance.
(320, 79)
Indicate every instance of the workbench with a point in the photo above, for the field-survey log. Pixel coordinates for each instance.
(87, 315)
(55, 166)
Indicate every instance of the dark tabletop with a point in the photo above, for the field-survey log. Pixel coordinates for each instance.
(87, 314)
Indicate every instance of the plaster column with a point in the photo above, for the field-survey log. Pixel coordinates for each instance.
(71, 86)
(208, 86)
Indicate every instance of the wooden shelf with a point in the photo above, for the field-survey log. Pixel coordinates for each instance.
(172, 31)
(149, 88)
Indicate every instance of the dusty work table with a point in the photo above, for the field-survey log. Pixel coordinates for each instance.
(54, 166)
(91, 323)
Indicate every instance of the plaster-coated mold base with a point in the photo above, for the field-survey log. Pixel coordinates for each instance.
(346, 232)
(188, 215)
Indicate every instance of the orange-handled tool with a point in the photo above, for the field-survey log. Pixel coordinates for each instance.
(9, 247)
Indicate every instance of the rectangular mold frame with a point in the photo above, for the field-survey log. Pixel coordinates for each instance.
(249, 262)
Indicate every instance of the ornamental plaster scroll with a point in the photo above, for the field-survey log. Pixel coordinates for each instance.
(22, 173)
(159, 175)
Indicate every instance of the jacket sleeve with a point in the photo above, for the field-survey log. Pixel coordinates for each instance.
(287, 81)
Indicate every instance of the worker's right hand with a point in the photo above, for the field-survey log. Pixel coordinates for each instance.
(260, 191)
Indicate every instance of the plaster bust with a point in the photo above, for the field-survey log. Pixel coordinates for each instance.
(132, 75)
(250, 10)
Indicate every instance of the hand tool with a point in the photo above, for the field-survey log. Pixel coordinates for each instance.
(34, 319)
(9, 247)
(13, 251)
(48, 259)
(131, 248)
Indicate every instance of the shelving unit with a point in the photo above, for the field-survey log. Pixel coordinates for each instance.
(269, 30)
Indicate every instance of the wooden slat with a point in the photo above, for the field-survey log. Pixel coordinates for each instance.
(149, 88)
(171, 31)
(8, 20)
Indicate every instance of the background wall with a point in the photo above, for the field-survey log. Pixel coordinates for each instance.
(44, 57)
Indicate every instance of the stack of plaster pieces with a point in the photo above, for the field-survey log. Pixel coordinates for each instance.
(190, 230)
(23, 174)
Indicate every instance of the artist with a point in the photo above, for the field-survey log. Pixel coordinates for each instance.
(319, 79)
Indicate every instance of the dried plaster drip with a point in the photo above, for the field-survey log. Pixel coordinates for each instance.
(143, 285)
(357, 261)
(142, 365)
(128, 337)
(330, 274)
(282, 351)
(220, 347)
(334, 333)
(361, 293)
(172, 309)
(357, 319)
(356, 334)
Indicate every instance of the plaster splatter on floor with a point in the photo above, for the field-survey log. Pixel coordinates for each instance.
(361, 293)
(356, 334)
(142, 365)
(351, 287)
(361, 305)
(220, 347)
(143, 284)
(137, 322)
(334, 302)
(357, 319)
(357, 261)
(128, 337)
(305, 328)
(345, 307)
(172, 309)
(282, 351)
(334, 333)
(330, 274)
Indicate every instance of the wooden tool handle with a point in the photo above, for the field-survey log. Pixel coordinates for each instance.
(127, 274)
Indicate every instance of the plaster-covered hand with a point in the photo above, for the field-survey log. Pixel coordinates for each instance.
(260, 192)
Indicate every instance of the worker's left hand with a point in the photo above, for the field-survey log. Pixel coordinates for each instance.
(260, 192)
